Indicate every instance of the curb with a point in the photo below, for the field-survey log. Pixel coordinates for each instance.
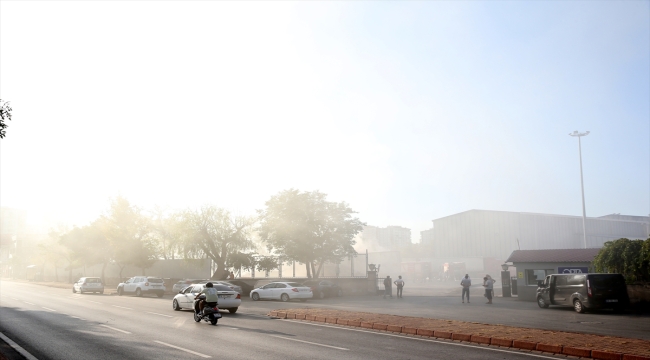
(478, 339)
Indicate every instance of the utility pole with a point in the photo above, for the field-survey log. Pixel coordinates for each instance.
(582, 186)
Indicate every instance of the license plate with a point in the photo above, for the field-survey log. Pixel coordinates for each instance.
(611, 301)
(156, 286)
(224, 296)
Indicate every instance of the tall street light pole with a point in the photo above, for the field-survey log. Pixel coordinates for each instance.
(582, 186)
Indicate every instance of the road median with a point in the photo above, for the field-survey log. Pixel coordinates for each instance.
(527, 339)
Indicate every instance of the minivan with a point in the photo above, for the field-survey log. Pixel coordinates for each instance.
(583, 291)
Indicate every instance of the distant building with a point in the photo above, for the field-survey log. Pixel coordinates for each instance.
(388, 238)
(495, 234)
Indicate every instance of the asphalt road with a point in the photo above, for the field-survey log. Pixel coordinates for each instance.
(53, 323)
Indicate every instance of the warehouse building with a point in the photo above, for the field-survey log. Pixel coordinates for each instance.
(496, 234)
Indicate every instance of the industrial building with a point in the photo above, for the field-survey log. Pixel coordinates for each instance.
(384, 239)
(487, 234)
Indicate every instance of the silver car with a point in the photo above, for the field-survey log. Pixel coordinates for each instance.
(228, 298)
(88, 284)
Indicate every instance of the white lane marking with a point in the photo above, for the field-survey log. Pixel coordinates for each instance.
(112, 328)
(48, 309)
(122, 307)
(17, 347)
(28, 303)
(158, 314)
(422, 339)
(308, 342)
(182, 349)
(95, 302)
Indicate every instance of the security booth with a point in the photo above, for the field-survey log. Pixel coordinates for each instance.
(533, 266)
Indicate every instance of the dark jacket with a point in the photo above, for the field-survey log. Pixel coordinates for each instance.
(387, 282)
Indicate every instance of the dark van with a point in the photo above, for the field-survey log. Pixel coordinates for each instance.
(583, 291)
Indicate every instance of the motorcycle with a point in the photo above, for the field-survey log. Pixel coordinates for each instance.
(209, 314)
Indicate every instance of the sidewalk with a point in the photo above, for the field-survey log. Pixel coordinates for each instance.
(555, 342)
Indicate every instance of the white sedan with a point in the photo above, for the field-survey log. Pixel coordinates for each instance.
(284, 291)
(228, 299)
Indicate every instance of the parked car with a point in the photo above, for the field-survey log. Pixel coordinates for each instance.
(245, 287)
(234, 287)
(88, 284)
(140, 285)
(583, 291)
(323, 288)
(228, 298)
(284, 291)
(180, 285)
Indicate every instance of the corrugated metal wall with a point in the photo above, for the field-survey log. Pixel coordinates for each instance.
(486, 233)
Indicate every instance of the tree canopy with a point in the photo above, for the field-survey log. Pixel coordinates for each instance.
(628, 257)
(214, 233)
(305, 227)
(5, 115)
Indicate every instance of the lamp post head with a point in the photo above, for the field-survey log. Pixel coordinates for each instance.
(578, 134)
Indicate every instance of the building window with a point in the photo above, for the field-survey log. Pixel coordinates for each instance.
(533, 276)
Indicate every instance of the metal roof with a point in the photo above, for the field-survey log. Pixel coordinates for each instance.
(553, 255)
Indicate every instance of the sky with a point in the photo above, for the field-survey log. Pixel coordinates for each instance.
(407, 111)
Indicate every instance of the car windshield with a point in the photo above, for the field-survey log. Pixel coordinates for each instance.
(222, 288)
(295, 284)
(93, 281)
(155, 280)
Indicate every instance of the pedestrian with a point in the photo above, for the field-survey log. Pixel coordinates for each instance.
(388, 286)
(465, 283)
(400, 285)
(488, 283)
(231, 276)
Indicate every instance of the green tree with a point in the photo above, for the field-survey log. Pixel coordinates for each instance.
(305, 227)
(621, 256)
(5, 115)
(241, 261)
(73, 241)
(129, 234)
(267, 264)
(214, 233)
(168, 232)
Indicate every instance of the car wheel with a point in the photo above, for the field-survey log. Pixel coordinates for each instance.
(73, 290)
(255, 296)
(175, 305)
(577, 306)
(102, 292)
(284, 297)
(339, 293)
(138, 292)
(120, 291)
(542, 303)
(233, 310)
(321, 295)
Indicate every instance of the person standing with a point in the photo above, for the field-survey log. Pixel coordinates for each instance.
(465, 283)
(400, 285)
(388, 286)
(488, 283)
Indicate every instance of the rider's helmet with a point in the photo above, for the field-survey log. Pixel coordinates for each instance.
(208, 284)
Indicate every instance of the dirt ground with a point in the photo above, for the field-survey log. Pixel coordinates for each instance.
(565, 339)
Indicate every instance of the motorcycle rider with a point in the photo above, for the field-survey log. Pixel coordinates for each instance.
(211, 296)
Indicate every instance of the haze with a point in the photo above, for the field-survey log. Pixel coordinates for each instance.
(408, 111)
